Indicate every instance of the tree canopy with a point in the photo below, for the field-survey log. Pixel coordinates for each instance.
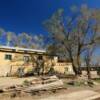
(72, 35)
(23, 39)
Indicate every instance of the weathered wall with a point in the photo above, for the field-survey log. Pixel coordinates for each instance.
(60, 67)
(64, 68)
(4, 64)
(18, 61)
(11, 66)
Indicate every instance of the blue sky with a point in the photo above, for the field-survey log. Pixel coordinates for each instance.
(28, 15)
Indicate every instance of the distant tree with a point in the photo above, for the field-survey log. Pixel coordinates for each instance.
(1, 32)
(88, 57)
(74, 35)
(14, 40)
(28, 41)
(34, 42)
(24, 39)
(9, 37)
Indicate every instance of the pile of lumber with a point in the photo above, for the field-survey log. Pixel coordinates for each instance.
(46, 84)
(38, 84)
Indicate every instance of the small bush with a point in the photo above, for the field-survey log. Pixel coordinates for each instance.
(20, 72)
(26, 83)
(97, 80)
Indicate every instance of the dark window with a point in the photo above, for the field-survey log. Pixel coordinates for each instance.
(26, 58)
(40, 57)
(8, 57)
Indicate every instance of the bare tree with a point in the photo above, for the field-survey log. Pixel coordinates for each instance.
(88, 57)
(1, 31)
(73, 35)
(9, 37)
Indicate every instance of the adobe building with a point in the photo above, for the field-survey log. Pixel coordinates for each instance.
(12, 58)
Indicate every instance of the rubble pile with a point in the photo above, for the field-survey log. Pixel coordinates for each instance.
(51, 83)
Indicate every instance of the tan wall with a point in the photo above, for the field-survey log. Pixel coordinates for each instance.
(4, 64)
(64, 68)
(93, 74)
(10, 65)
(7, 66)
(18, 61)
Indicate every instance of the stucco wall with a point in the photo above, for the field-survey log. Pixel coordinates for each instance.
(64, 68)
(11, 66)
(4, 64)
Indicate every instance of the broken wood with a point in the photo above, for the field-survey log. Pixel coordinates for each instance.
(36, 85)
(49, 86)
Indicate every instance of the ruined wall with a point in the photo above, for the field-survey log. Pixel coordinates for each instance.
(64, 68)
(4, 64)
(10, 66)
(60, 67)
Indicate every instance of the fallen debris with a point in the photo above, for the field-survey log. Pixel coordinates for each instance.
(47, 86)
(36, 85)
(1, 91)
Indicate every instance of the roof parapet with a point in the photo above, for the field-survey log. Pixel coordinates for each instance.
(18, 49)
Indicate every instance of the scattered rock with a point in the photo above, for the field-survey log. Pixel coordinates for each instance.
(85, 83)
(71, 83)
(35, 86)
(12, 87)
(1, 91)
(13, 95)
(90, 83)
(54, 91)
(36, 81)
(95, 83)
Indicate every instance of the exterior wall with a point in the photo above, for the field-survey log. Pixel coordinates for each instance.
(18, 61)
(60, 67)
(11, 66)
(64, 68)
(4, 64)
(93, 74)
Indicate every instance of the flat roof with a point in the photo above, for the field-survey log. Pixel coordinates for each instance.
(18, 49)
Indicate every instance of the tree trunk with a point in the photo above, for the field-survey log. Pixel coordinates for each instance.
(78, 63)
(88, 72)
(75, 70)
(78, 58)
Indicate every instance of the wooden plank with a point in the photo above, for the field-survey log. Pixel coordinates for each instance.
(48, 86)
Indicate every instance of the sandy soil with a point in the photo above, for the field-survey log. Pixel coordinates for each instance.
(73, 93)
(9, 81)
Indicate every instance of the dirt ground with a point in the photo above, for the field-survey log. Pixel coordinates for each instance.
(9, 81)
